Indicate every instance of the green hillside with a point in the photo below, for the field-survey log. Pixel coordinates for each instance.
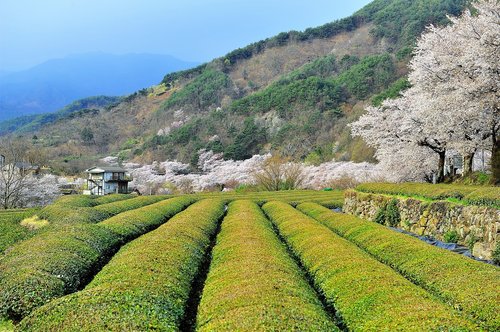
(78, 108)
(294, 93)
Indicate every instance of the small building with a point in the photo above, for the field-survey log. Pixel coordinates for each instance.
(107, 180)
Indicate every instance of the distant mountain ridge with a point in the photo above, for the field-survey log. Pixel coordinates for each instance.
(55, 83)
(79, 108)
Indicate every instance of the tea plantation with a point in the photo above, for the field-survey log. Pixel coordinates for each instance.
(263, 261)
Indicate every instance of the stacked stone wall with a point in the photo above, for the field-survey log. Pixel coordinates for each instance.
(477, 226)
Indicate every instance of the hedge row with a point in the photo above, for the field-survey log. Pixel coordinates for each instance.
(253, 284)
(114, 208)
(88, 200)
(62, 214)
(368, 295)
(462, 282)
(112, 198)
(475, 195)
(60, 260)
(75, 201)
(11, 231)
(145, 286)
(329, 198)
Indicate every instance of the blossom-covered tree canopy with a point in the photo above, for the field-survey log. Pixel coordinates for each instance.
(453, 101)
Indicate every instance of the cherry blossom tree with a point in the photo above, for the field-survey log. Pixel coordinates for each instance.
(20, 186)
(215, 172)
(40, 190)
(456, 68)
(453, 101)
(407, 149)
(13, 175)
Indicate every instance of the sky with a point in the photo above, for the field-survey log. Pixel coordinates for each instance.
(34, 31)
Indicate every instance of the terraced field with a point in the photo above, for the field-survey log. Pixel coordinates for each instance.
(235, 262)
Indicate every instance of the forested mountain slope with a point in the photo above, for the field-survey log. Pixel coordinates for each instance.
(294, 93)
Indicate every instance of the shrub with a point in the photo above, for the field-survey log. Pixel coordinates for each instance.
(368, 295)
(114, 208)
(389, 214)
(75, 201)
(462, 282)
(489, 196)
(472, 241)
(392, 216)
(87, 200)
(253, 284)
(145, 286)
(380, 216)
(496, 254)
(345, 181)
(451, 236)
(278, 173)
(60, 260)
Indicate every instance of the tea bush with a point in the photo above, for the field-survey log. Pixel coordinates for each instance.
(459, 281)
(368, 295)
(60, 260)
(253, 283)
(145, 286)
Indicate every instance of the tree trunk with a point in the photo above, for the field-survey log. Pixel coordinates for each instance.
(467, 167)
(440, 175)
(495, 160)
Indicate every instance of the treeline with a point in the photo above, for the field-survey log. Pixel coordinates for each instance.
(399, 21)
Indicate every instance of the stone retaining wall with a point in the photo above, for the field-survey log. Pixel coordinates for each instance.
(477, 226)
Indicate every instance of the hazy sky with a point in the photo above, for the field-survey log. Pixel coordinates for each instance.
(33, 31)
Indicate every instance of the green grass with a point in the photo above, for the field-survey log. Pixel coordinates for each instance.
(253, 284)
(145, 286)
(368, 295)
(461, 282)
(58, 261)
(464, 194)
